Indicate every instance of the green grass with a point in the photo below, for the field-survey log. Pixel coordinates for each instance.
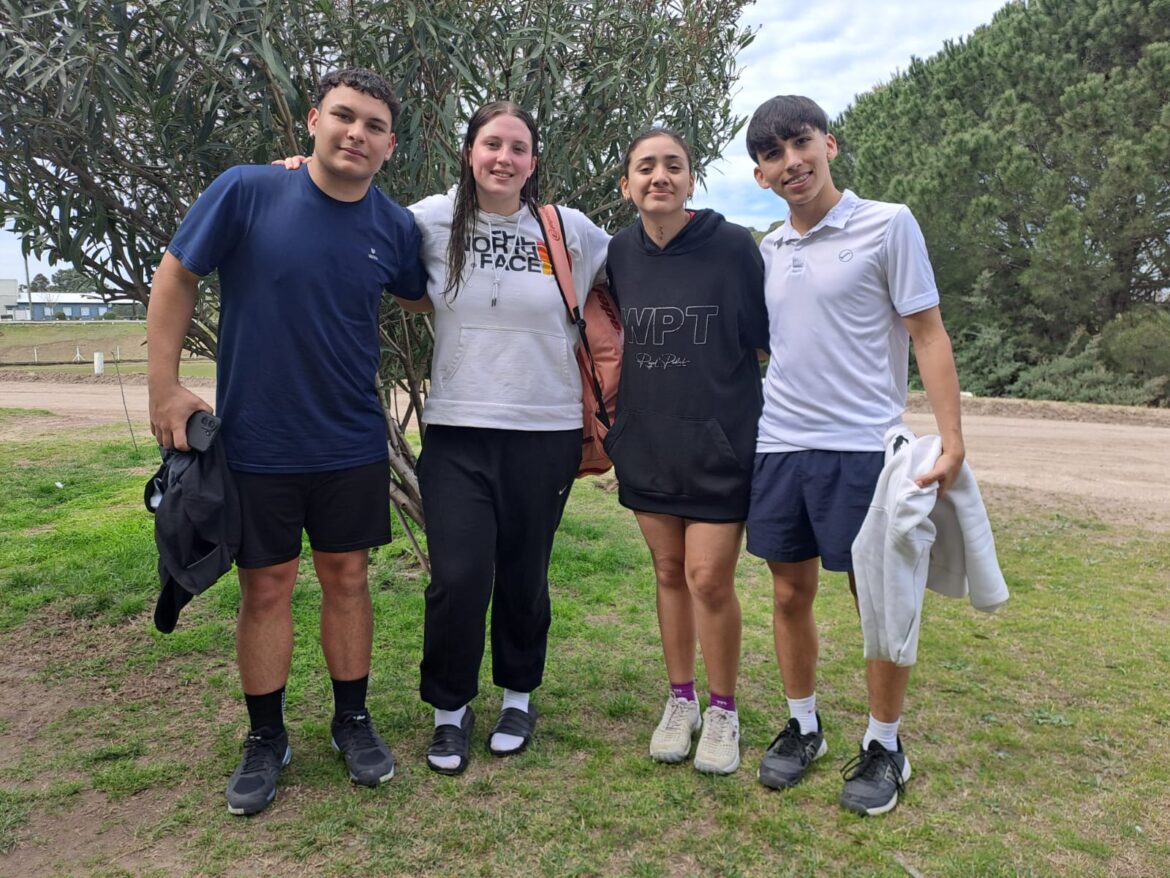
(1035, 734)
(49, 331)
(57, 342)
(188, 368)
(59, 339)
(8, 415)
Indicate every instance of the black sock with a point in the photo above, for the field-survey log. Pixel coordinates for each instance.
(349, 696)
(266, 713)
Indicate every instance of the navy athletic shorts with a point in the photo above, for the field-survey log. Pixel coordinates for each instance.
(807, 504)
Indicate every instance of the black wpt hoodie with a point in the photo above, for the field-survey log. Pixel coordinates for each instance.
(691, 393)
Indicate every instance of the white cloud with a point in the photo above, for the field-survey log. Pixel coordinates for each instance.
(831, 51)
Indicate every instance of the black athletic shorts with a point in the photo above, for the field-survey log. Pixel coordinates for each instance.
(341, 510)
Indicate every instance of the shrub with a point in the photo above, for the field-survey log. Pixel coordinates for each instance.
(1138, 342)
(1081, 375)
(988, 361)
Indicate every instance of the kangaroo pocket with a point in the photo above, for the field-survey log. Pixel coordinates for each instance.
(508, 366)
(666, 455)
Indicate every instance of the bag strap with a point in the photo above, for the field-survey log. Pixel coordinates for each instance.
(552, 226)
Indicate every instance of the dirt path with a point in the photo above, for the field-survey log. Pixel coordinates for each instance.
(1106, 461)
(78, 404)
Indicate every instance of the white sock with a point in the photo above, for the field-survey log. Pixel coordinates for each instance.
(447, 718)
(518, 700)
(804, 711)
(506, 743)
(885, 734)
(450, 717)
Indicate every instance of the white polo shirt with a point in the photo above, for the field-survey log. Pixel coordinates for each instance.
(837, 379)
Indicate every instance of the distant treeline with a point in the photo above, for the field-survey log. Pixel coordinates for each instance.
(1035, 156)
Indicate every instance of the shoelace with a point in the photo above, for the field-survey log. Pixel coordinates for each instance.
(870, 765)
(721, 725)
(259, 753)
(676, 718)
(790, 742)
(359, 730)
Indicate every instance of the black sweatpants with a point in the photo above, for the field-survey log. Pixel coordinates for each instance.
(493, 500)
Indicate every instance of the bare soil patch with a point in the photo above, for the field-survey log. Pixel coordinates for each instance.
(96, 832)
(94, 829)
(977, 406)
(80, 402)
(1093, 464)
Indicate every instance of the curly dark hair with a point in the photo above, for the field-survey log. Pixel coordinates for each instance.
(367, 82)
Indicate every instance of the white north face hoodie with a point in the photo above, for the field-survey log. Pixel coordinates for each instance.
(504, 348)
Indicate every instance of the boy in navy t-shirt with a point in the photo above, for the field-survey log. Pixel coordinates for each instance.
(848, 285)
(303, 260)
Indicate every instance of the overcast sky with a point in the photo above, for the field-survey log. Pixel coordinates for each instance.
(830, 50)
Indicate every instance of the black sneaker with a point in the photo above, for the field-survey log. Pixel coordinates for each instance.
(790, 754)
(252, 787)
(367, 757)
(874, 778)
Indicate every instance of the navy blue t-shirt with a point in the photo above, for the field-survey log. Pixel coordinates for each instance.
(301, 278)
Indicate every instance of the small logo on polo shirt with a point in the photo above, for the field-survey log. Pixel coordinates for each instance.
(845, 255)
(373, 254)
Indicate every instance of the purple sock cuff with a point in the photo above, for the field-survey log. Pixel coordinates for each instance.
(684, 690)
(723, 702)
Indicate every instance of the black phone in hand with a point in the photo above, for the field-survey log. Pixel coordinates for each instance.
(201, 430)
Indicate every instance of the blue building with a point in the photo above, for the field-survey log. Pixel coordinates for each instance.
(75, 306)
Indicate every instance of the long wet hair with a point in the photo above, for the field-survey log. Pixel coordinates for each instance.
(466, 211)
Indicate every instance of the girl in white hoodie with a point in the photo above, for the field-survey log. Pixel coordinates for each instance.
(503, 428)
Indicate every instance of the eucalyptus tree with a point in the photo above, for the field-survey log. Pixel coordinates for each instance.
(114, 116)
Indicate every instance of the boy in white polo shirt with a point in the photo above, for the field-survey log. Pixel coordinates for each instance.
(848, 286)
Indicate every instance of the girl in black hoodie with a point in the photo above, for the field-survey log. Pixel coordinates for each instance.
(691, 290)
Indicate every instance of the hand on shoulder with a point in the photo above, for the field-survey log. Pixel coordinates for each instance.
(293, 162)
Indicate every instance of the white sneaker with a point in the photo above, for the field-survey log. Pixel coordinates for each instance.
(671, 741)
(718, 750)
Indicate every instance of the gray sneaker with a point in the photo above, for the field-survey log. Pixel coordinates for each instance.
(790, 754)
(874, 778)
(252, 787)
(367, 757)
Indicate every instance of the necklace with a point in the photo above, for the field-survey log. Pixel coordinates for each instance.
(497, 268)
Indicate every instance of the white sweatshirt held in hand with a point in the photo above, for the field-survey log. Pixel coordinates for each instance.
(911, 540)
